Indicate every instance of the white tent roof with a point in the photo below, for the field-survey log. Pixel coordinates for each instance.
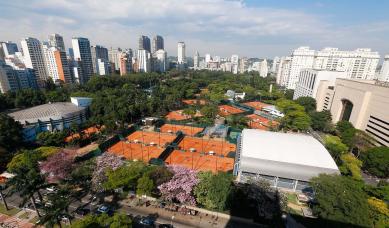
(282, 147)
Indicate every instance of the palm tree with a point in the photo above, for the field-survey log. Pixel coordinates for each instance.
(55, 209)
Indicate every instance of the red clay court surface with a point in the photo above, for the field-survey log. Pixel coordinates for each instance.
(87, 132)
(187, 130)
(226, 110)
(179, 115)
(196, 161)
(142, 145)
(194, 102)
(256, 105)
(207, 145)
(259, 122)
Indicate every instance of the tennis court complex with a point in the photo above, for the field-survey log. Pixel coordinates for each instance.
(142, 145)
(194, 102)
(187, 130)
(179, 115)
(226, 110)
(201, 162)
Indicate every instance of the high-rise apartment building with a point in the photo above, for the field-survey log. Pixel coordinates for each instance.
(125, 63)
(283, 71)
(181, 58)
(158, 43)
(359, 64)
(196, 60)
(144, 43)
(384, 74)
(9, 48)
(143, 61)
(82, 53)
(33, 59)
(275, 64)
(56, 40)
(114, 57)
(98, 52)
(160, 61)
(8, 78)
(57, 64)
(263, 70)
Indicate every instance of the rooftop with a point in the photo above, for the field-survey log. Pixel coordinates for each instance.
(287, 148)
(46, 112)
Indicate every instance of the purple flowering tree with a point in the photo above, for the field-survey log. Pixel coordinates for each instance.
(106, 161)
(180, 187)
(58, 166)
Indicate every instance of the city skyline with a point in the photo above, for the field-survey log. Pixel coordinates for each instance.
(254, 29)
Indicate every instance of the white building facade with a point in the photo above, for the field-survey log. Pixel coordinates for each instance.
(384, 74)
(33, 59)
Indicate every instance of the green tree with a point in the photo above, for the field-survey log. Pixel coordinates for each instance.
(118, 220)
(308, 103)
(376, 161)
(145, 186)
(55, 209)
(351, 166)
(27, 179)
(335, 146)
(51, 138)
(321, 121)
(10, 138)
(125, 176)
(213, 190)
(295, 117)
(340, 199)
(209, 111)
(289, 94)
(346, 132)
(379, 212)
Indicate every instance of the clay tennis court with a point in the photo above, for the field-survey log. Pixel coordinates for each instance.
(260, 122)
(187, 130)
(226, 110)
(206, 146)
(87, 132)
(197, 161)
(142, 145)
(194, 102)
(179, 115)
(257, 105)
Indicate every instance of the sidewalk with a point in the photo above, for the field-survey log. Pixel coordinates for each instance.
(14, 221)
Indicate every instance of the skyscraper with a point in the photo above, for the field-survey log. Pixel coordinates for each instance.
(114, 57)
(33, 57)
(143, 61)
(82, 53)
(56, 40)
(144, 43)
(159, 63)
(125, 63)
(98, 52)
(181, 59)
(158, 43)
(263, 70)
(9, 48)
(56, 64)
(196, 60)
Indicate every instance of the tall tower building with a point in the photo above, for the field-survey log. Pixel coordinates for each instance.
(181, 59)
(57, 64)
(114, 57)
(384, 74)
(158, 43)
(9, 48)
(33, 57)
(56, 40)
(98, 52)
(125, 63)
(196, 60)
(144, 61)
(144, 43)
(160, 63)
(82, 53)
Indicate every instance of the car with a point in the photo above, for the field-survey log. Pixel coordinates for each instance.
(147, 221)
(104, 209)
(52, 189)
(165, 226)
(82, 211)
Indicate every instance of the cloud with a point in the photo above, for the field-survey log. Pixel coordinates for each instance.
(202, 24)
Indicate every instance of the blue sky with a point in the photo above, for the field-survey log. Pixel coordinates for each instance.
(252, 28)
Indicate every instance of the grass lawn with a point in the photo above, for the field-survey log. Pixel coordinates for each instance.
(34, 220)
(10, 212)
(292, 198)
